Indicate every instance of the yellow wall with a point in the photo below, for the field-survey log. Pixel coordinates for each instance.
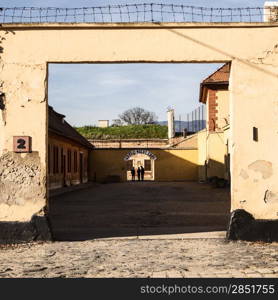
(176, 165)
(171, 165)
(222, 114)
(212, 149)
(216, 150)
(202, 153)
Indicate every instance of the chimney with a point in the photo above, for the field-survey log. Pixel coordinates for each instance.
(171, 123)
(271, 11)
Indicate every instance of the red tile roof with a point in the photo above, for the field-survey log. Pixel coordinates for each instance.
(219, 80)
(221, 75)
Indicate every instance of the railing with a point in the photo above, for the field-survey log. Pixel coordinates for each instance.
(135, 13)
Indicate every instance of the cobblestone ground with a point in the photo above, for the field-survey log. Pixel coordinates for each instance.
(141, 258)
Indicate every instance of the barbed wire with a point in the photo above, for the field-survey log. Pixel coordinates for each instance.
(135, 13)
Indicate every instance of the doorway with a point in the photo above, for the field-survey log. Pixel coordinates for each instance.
(139, 160)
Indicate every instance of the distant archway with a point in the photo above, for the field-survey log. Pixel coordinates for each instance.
(138, 158)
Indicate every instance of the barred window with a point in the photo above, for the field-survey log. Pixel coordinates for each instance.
(148, 165)
(62, 162)
(55, 154)
(75, 161)
(49, 159)
(69, 160)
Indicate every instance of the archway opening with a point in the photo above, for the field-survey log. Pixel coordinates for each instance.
(140, 165)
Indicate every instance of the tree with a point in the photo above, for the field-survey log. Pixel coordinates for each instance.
(137, 116)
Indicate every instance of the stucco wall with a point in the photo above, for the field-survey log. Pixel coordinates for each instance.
(254, 165)
(252, 49)
(222, 100)
(212, 152)
(217, 151)
(176, 165)
(170, 165)
(202, 154)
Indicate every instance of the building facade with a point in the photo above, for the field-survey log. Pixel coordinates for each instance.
(68, 153)
(213, 141)
(113, 165)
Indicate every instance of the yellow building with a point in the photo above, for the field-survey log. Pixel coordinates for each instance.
(68, 153)
(170, 164)
(213, 141)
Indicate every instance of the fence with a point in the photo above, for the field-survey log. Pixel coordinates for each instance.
(196, 120)
(135, 13)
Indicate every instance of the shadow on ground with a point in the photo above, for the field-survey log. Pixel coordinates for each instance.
(138, 209)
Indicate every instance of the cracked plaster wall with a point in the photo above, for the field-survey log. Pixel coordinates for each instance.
(254, 89)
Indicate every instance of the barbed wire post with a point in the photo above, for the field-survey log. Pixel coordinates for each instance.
(120, 13)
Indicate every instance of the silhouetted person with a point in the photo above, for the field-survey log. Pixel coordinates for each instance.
(132, 174)
(139, 173)
(142, 169)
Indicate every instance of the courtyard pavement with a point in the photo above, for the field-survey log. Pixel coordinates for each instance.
(138, 209)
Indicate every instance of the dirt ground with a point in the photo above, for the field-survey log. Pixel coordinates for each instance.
(138, 208)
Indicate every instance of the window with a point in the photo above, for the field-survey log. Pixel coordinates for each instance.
(69, 160)
(55, 154)
(62, 162)
(57, 159)
(49, 159)
(148, 165)
(255, 134)
(85, 164)
(75, 161)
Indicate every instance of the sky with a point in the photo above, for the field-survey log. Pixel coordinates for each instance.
(87, 3)
(86, 93)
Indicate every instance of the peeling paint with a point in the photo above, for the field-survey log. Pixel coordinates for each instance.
(269, 57)
(270, 197)
(263, 167)
(243, 174)
(20, 179)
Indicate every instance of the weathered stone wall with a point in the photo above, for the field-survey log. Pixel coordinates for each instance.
(22, 186)
(20, 178)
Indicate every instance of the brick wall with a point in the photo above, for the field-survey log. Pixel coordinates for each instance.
(212, 110)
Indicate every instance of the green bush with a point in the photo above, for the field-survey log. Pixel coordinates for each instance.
(152, 131)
